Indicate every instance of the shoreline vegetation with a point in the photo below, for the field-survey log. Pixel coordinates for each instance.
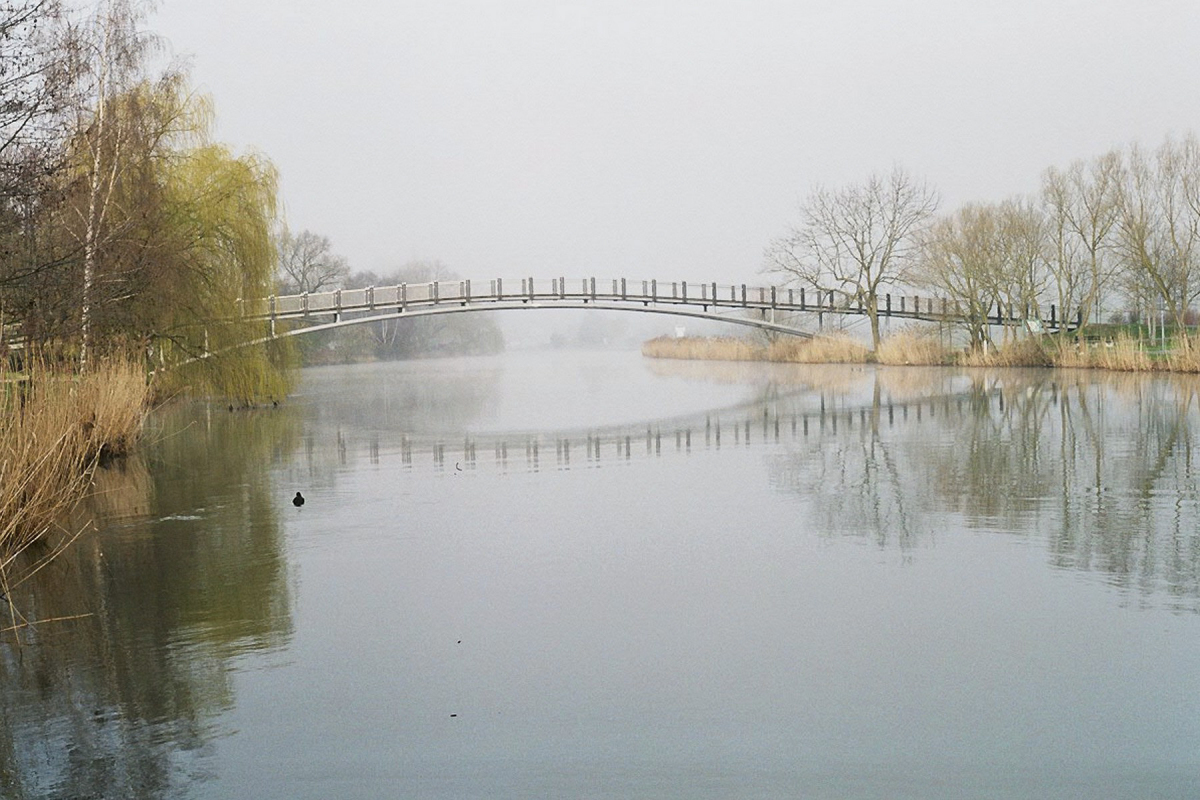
(56, 429)
(1121, 353)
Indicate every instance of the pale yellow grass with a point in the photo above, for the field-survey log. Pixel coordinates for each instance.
(912, 348)
(54, 430)
(818, 350)
(1024, 353)
(710, 348)
(1123, 354)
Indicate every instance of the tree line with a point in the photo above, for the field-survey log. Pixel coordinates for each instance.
(1111, 239)
(125, 228)
(308, 263)
(123, 225)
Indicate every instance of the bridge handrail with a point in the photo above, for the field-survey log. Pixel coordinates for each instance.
(786, 298)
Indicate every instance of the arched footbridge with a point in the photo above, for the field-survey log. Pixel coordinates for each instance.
(766, 307)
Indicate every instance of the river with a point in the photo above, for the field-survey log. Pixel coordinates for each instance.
(588, 574)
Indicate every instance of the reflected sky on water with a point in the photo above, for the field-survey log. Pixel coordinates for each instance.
(590, 574)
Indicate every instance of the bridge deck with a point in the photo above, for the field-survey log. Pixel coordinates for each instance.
(621, 292)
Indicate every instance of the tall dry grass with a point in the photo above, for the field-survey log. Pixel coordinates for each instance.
(836, 349)
(818, 350)
(703, 348)
(54, 430)
(913, 348)
(1023, 353)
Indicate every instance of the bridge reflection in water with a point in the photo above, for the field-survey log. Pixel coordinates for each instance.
(746, 426)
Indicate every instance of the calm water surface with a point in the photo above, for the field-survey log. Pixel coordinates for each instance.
(579, 574)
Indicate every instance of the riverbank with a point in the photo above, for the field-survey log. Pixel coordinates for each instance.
(1122, 353)
(55, 430)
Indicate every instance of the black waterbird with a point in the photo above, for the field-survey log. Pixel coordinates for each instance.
(298, 500)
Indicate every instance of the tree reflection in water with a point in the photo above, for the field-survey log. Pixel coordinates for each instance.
(124, 702)
(1098, 466)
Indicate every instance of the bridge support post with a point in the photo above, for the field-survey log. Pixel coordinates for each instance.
(435, 292)
(1053, 321)
(887, 305)
(531, 287)
(654, 290)
(802, 304)
(623, 295)
(684, 284)
(467, 290)
(743, 294)
(402, 296)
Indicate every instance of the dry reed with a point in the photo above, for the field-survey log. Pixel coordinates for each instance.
(1024, 353)
(710, 348)
(817, 350)
(913, 348)
(835, 349)
(54, 430)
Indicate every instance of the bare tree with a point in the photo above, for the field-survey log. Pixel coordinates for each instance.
(1158, 226)
(307, 263)
(857, 240)
(960, 259)
(117, 56)
(38, 74)
(1082, 206)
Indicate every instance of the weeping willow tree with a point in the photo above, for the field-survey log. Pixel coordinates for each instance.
(221, 208)
(184, 248)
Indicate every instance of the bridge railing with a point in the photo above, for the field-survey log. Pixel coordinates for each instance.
(525, 290)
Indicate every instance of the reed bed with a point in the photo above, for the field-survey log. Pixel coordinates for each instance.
(704, 348)
(913, 348)
(54, 430)
(1023, 353)
(1123, 353)
(818, 350)
(835, 349)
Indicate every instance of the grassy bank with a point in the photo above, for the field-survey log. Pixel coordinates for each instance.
(54, 430)
(1123, 353)
(822, 350)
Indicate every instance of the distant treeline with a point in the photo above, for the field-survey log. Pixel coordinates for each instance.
(1113, 239)
(399, 337)
(123, 225)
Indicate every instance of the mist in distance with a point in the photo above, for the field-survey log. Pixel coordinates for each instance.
(666, 139)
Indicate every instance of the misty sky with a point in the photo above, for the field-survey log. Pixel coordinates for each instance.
(663, 139)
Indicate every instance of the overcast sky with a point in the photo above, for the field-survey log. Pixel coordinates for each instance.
(663, 139)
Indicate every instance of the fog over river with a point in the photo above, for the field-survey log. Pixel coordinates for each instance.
(588, 574)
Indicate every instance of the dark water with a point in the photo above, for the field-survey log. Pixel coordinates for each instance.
(590, 575)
